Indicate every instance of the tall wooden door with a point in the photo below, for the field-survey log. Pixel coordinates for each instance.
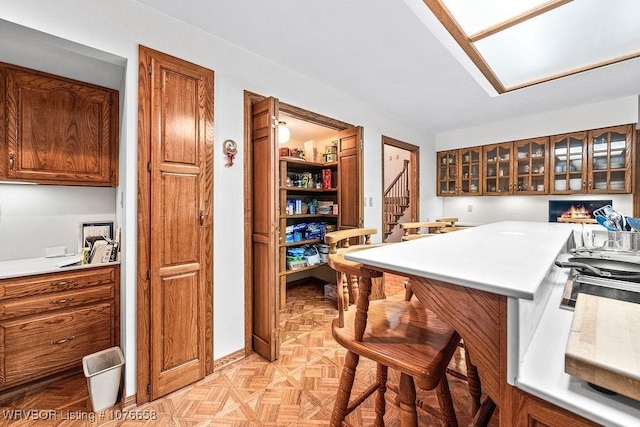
(264, 229)
(350, 206)
(177, 117)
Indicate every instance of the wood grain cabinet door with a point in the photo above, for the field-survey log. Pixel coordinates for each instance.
(180, 234)
(350, 201)
(59, 130)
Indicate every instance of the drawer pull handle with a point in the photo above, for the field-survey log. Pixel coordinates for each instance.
(63, 301)
(62, 341)
(63, 283)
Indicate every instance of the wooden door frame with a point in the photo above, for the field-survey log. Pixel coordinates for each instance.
(250, 99)
(143, 285)
(414, 176)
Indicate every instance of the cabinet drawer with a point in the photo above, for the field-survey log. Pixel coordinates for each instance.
(37, 346)
(56, 282)
(54, 301)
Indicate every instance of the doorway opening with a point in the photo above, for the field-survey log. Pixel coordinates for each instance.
(267, 196)
(400, 188)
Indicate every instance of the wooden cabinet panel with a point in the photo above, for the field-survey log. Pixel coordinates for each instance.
(542, 414)
(59, 131)
(45, 344)
(609, 163)
(470, 181)
(460, 172)
(350, 204)
(496, 162)
(448, 173)
(568, 168)
(530, 166)
(54, 301)
(55, 282)
(49, 322)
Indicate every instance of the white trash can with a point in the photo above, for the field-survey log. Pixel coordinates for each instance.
(103, 370)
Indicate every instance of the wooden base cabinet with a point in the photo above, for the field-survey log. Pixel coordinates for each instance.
(534, 412)
(49, 322)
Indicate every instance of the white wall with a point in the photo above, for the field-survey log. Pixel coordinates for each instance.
(487, 209)
(34, 217)
(118, 27)
(394, 158)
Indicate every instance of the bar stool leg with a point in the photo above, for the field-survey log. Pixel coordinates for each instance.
(446, 403)
(407, 393)
(475, 388)
(380, 404)
(344, 389)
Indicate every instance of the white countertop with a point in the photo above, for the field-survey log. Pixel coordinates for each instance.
(508, 258)
(33, 266)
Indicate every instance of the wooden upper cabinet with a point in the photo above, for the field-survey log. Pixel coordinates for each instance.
(448, 173)
(597, 161)
(59, 131)
(609, 167)
(496, 162)
(530, 163)
(470, 175)
(568, 167)
(460, 172)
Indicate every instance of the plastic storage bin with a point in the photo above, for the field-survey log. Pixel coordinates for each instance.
(103, 370)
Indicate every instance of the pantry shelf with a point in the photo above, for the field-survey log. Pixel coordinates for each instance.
(309, 267)
(301, 242)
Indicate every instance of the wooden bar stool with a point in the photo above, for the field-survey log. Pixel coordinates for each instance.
(450, 224)
(413, 230)
(345, 240)
(396, 334)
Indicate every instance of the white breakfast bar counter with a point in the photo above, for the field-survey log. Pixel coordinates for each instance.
(515, 260)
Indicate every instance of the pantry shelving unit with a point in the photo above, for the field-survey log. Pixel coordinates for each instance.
(295, 185)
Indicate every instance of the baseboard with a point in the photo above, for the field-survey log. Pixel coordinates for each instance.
(228, 359)
(129, 401)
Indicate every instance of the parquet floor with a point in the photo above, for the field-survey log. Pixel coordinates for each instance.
(296, 390)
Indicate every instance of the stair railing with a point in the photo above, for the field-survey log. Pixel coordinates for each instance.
(396, 199)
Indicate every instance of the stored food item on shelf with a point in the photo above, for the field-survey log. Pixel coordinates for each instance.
(326, 179)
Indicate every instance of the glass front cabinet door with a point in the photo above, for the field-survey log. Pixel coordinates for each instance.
(530, 164)
(448, 173)
(568, 163)
(609, 168)
(496, 164)
(470, 171)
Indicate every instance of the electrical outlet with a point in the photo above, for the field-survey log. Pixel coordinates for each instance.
(469, 208)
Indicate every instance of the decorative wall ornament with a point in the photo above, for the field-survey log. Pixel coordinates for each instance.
(230, 149)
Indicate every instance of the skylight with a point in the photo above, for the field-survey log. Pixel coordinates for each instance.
(519, 43)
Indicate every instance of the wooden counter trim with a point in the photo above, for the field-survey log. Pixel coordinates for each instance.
(476, 315)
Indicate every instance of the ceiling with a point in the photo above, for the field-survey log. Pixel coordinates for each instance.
(394, 55)
(302, 131)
